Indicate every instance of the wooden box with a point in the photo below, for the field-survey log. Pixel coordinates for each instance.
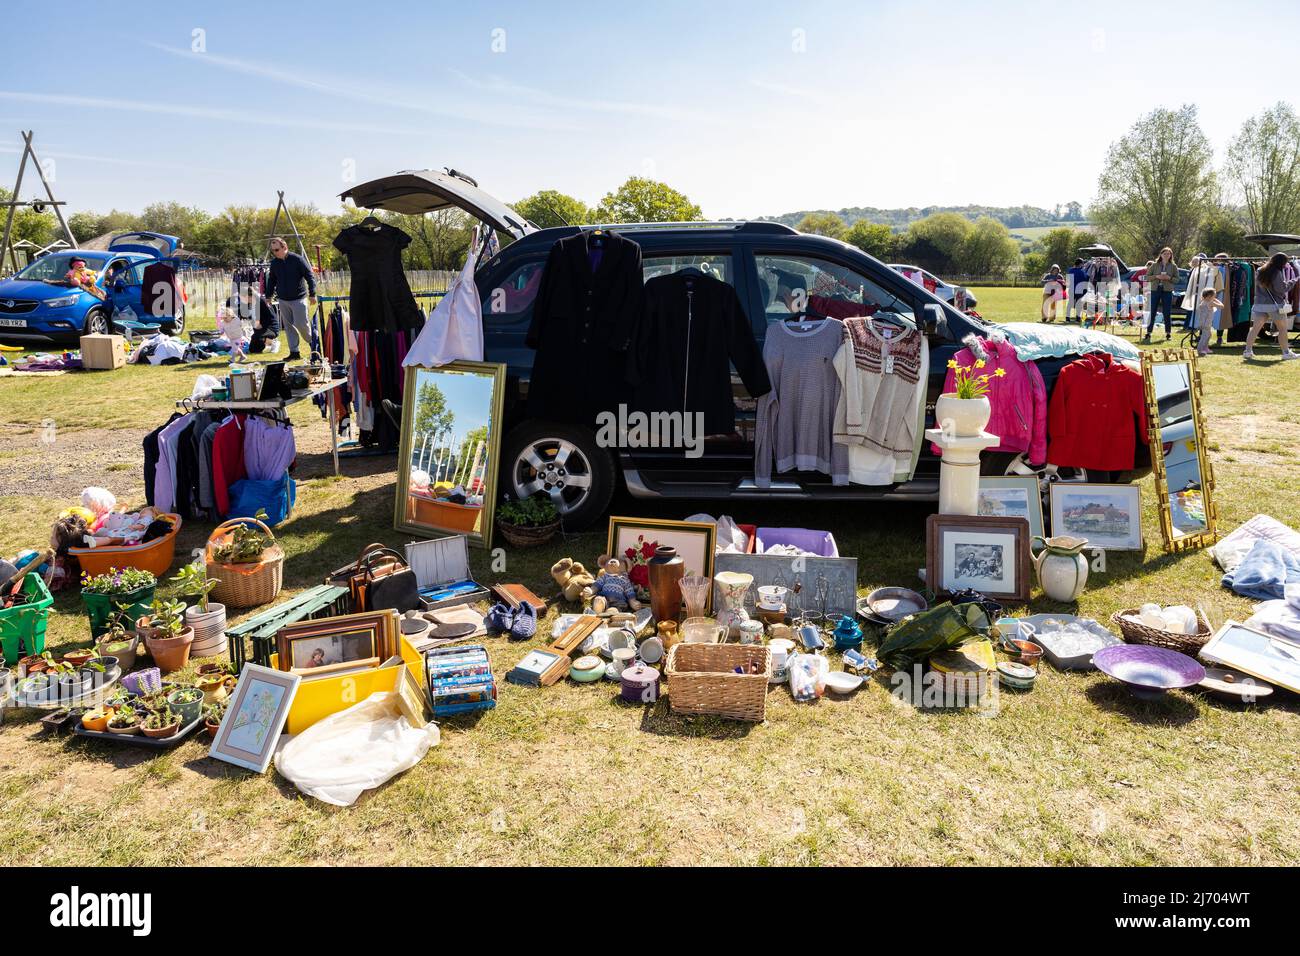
(103, 352)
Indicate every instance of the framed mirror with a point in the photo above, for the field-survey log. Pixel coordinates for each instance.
(451, 442)
(1184, 478)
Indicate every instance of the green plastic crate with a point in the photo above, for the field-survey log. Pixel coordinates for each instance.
(22, 628)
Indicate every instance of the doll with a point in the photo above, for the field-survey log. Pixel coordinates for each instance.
(613, 588)
(79, 277)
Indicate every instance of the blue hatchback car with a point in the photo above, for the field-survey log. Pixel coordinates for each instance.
(38, 304)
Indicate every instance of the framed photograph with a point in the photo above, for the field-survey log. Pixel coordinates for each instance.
(1012, 496)
(1266, 656)
(255, 717)
(1109, 516)
(634, 541)
(990, 555)
(334, 643)
(535, 667)
(451, 442)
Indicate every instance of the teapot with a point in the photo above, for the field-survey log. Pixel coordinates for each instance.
(1061, 567)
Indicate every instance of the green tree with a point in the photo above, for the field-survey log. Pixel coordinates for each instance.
(549, 207)
(988, 250)
(432, 416)
(873, 238)
(823, 224)
(439, 240)
(1157, 185)
(1264, 168)
(936, 242)
(645, 200)
(1223, 231)
(1061, 246)
(173, 219)
(92, 225)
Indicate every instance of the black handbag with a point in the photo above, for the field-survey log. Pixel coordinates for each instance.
(380, 580)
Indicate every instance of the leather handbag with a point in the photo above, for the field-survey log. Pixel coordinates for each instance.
(379, 580)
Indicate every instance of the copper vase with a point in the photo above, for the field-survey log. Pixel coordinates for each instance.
(666, 569)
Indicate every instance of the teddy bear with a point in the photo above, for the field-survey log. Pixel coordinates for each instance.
(612, 588)
(572, 578)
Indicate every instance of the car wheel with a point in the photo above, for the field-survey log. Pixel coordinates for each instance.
(563, 462)
(97, 322)
(177, 326)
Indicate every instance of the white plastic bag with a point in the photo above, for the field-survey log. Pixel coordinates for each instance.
(203, 386)
(455, 330)
(336, 759)
(808, 676)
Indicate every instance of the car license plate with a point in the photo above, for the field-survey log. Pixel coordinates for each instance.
(13, 323)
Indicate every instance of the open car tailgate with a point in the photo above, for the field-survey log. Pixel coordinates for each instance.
(417, 191)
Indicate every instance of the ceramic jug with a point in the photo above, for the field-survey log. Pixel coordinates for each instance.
(1061, 567)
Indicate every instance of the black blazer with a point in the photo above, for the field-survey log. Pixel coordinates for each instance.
(692, 331)
(575, 306)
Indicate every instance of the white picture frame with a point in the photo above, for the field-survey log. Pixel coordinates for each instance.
(1265, 656)
(255, 717)
(1013, 496)
(1109, 516)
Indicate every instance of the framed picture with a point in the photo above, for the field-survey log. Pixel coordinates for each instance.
(336, 643)
(1012, 496)
(1109, 516)
(412, 699)
(255, 717)
(1266, 656)
(990, 555)
(634, 541)
(451, 442)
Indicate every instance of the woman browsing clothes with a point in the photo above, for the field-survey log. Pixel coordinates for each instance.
(1272, 292)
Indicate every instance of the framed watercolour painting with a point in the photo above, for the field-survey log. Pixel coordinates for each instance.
(255, 717)
(1012, 496)
(1109, 516)
(633, 541)
(990, 555)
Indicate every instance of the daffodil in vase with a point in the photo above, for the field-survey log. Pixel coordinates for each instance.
(963, 412)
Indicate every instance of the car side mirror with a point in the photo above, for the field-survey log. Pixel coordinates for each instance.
(932, 318)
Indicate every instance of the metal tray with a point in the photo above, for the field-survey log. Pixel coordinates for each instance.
(1078, 662)
(140, 740)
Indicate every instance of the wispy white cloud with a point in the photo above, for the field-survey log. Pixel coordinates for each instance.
(506, 89)
(44, 152)
(783, 89)
(224, 115)
(357, 91)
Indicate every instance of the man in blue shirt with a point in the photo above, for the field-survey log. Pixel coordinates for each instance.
(1078, 288)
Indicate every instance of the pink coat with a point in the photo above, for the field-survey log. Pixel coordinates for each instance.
(1018, 399)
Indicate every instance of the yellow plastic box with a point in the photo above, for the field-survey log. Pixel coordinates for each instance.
(317, 699)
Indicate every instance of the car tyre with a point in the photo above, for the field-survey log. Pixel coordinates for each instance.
(565, 463)
(97, 322)
(178, 326)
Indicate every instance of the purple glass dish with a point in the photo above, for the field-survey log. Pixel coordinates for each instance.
(1148, 671)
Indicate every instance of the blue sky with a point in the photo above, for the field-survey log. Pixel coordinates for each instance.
(751, 109)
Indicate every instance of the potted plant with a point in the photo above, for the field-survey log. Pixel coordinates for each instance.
(117, 641)
(71, 683)
(528, 522)
(96, 719)
(166, 634)
(124, 721)
(33, 664)
(963, 412)
(103, 593)
(79, 657)
(162, 723)
(38, 688)
(212, 717)
(207, 618)
(188, 702)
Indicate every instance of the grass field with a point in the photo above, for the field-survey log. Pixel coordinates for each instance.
(1077, 772)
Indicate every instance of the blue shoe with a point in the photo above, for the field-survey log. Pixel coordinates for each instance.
(500, 618)
(525, 623)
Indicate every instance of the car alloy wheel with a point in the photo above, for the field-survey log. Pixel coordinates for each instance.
(97, 323)
(556, 467)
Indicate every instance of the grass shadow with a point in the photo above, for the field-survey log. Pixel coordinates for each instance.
(659, 719)
(1171, 710)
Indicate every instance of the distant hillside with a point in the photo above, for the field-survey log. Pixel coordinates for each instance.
(1013, 217)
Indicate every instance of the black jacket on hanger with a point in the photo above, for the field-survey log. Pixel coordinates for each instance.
(693, 330)
(584, 319)
(381, 299)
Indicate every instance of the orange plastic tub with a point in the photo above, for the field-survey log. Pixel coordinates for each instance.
(437, 513)
(155, 557)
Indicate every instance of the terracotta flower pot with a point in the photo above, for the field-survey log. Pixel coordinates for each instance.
(169, 653)
(133, 729)
(962, 417)
(125, 655)
(161, 732)
(211, 729)
(33, 664)
(77, 658)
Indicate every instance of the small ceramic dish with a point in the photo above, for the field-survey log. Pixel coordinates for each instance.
(842, 682)
(1227, 684)
(587, 669)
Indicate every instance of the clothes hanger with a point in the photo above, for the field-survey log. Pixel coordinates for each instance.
(371, 223)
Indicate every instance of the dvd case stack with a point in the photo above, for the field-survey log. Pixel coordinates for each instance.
(460, 680)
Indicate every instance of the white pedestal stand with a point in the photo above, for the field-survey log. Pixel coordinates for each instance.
(959, 473)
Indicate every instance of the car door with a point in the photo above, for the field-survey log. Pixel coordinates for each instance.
(127, 291)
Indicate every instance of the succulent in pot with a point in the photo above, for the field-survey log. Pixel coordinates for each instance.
(162, 723)
(212, 717)
(96, 720)
(188, 702)
(124, 721)
(166, 634)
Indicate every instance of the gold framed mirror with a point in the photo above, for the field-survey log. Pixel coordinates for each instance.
(1179, 461)
(451, 442)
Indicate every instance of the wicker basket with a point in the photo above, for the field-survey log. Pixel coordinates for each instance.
(522, 536)
(245, 585)
(1137, 633)
(702, 680)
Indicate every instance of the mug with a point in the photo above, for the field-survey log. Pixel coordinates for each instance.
(623, 658)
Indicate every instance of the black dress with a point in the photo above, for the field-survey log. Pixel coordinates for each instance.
(584, 318)
(692, 331)
(380, 299)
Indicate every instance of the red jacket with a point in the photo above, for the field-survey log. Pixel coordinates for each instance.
(1096, 406)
